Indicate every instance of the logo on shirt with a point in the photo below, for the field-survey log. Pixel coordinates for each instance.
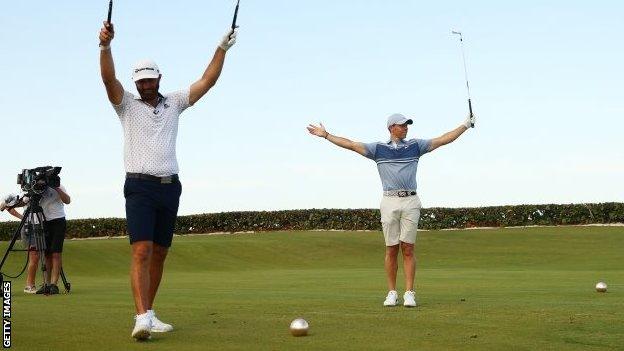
(157, 111)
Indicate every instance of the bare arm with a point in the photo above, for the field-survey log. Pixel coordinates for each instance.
(15, 213)
(336, 140)
(449, 137)
(213, 71)
(209, 78)
(114, 89)
(63, 195)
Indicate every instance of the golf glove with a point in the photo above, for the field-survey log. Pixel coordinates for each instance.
(470, 121)
(229, 39)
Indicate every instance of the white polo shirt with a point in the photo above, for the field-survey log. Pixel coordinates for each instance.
(51, 203)
(150, 133)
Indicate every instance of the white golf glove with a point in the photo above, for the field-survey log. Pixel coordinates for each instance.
(470, 121)
(228, 40)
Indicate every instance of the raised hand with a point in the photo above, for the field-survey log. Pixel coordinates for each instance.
(228, 40)
(470, 121)
(107, 33)
(319, 131)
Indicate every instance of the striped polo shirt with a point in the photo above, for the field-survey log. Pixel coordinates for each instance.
(397, 162)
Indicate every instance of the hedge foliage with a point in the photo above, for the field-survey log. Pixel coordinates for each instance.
(358, 219)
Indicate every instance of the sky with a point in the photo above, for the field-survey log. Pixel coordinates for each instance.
(545, 76)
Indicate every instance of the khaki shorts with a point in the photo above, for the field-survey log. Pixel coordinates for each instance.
(399, 219)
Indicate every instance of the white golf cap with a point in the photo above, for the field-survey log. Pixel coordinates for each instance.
(398, 118)
(145, 69)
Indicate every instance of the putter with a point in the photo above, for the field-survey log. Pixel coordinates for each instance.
(461, 42)
(110, 11)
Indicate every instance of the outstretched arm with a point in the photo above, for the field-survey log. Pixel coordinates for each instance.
(114, 89)
(449, 137)
(320, 131)
(213, 71)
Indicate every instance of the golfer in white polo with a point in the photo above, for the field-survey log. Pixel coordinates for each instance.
(152, 188)
(397, 161)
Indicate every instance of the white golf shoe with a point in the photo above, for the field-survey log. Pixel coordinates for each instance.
(409, 299)
(142, 326)
(391, 298)
(157, 325)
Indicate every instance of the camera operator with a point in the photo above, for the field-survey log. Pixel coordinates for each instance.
(53, 201)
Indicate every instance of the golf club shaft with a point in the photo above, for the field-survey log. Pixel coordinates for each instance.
(467, 85)
(235, 15)
(461, 43)
(110, 11)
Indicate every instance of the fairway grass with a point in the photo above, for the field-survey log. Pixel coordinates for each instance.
(497, 289)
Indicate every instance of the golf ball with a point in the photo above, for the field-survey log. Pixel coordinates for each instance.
(299, 327)
(601, 287)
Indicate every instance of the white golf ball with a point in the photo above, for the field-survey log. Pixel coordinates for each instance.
(299, 327)
(601, 287)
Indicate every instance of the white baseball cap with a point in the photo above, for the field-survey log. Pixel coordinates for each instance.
(145, 69)
(398, 118)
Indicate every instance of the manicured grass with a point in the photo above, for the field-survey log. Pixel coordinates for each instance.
(515, 289)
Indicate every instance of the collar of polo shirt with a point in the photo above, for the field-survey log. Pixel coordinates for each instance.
(400, 141)
(160, 97)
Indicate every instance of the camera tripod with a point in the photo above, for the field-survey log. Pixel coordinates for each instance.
(33, 221)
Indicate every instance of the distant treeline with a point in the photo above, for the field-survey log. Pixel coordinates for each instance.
(357, 219)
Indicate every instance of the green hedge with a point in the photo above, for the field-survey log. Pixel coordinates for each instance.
(358, 219)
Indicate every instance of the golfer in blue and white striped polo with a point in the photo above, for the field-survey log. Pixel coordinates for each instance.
(397, 162)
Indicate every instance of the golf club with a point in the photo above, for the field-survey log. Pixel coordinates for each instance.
(235, 16)
(110, 11)
(461, 41)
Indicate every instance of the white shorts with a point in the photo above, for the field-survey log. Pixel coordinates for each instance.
(399, 219)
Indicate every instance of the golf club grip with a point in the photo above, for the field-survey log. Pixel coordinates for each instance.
(235, 16)
(470, 109)
(110, 11)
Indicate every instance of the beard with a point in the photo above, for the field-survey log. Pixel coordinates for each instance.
(149, 91)
(148, 94)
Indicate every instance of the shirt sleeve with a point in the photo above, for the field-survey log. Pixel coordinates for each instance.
(123, 105)
(371, 149)
(180, 99)
(423, 145)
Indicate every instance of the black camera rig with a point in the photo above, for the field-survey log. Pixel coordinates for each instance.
(36, 180)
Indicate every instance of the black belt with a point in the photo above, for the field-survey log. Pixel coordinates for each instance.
(163, 180)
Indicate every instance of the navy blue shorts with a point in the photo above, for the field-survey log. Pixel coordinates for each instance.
(151, 210)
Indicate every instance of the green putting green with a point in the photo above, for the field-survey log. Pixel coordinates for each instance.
(491, 289)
